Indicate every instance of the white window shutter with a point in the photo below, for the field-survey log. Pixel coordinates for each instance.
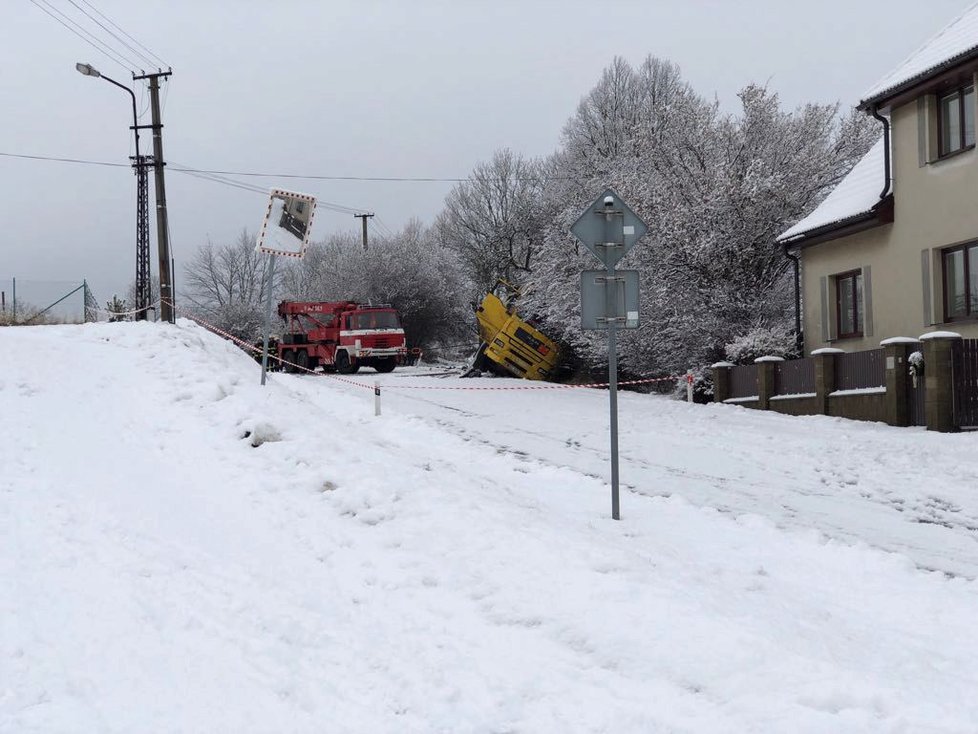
(867, 301)
(824, 288)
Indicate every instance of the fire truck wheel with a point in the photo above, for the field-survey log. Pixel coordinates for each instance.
(343, 365)
(385, 365)
(288, 358)
(302, 360)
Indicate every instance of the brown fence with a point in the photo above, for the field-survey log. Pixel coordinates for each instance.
(857, 370)
(796, 377)
(743, 381)
(964, 366)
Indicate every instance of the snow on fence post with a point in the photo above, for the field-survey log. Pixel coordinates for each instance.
(689, 386)
(898, 404)
(721, 381)
(825, 376)
(938, 379)
(765, 380)
(376, 398)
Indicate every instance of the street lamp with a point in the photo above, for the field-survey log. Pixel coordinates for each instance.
(89, 70)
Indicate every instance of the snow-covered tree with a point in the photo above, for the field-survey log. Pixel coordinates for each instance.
(492, 219)
(225, 285)
(715, 190)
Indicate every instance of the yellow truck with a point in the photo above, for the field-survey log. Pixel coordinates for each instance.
(510, 344)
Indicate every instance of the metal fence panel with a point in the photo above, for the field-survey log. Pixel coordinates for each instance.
(859, 370)
(743, 381)
(795, 377)
(964, 365)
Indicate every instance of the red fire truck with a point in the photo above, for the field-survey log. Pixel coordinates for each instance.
(340, 335)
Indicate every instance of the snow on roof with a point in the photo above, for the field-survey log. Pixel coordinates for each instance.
(954, 41)
(856, 194)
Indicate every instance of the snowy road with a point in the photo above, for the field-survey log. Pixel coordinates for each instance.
(900, 490)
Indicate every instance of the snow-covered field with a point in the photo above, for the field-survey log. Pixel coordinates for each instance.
(182, 550)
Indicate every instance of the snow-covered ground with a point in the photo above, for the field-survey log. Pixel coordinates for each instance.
(182, 550)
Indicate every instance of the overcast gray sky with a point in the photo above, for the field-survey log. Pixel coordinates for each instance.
(368, 88)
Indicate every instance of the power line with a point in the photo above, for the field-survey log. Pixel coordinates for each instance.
(123, 32)
(109, 31)
(64, 160)
(252, 174)
(197, 173)
(406, 179)
(107, 52)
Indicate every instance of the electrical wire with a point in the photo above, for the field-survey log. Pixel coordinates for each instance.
(101, 25)
(106, 51)
(123, 32)
(64, 160)
(353, 210)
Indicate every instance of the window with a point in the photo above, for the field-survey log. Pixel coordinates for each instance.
(956, 121)
(960, 282)
(848, 304)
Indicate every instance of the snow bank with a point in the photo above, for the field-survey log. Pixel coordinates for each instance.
(185, 551)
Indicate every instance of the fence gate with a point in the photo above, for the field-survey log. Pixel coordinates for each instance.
(964, 366)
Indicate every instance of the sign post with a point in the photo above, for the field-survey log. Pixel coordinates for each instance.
(609, 229)
(284, 231)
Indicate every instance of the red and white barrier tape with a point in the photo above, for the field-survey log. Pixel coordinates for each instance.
(124, 313)
(388, 386)
(251, 347)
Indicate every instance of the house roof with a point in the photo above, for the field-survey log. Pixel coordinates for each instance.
(954, 44)
(857, 195)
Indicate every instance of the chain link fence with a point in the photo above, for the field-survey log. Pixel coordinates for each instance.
(25, 301)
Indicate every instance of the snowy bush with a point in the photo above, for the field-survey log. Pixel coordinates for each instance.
(762, 341)
(916, 368)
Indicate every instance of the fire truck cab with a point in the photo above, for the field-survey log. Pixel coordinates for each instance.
(340, 335)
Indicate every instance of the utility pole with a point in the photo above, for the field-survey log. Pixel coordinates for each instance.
(143, 288)
(162, 225)
(364, 218)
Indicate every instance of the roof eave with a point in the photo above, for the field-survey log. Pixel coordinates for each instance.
(882, 99)
(880, 214)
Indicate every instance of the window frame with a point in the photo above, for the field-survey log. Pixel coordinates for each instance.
(970, 309)
(942, 144)
(857, 307)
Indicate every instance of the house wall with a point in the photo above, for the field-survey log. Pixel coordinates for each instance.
(935, 206)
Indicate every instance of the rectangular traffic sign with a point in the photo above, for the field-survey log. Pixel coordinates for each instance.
(609, 298)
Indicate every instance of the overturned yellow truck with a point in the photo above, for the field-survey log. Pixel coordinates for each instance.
(511, 345)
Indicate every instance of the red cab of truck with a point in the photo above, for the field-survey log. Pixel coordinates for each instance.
(340, 335)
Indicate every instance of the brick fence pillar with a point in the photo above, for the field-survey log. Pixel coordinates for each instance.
(938, 376)
(897, 351)
(721, 381)
(824, 376)
(765, 380)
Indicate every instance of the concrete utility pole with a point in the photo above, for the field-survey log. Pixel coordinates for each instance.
(364, 218)
(162, 225)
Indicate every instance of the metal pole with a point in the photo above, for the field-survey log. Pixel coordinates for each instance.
(611, 293)
(142, 288)
(162, 225)
(13, 319)
(376, 398)
(268, 316)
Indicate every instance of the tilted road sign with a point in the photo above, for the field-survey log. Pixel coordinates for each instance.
(609, 228)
